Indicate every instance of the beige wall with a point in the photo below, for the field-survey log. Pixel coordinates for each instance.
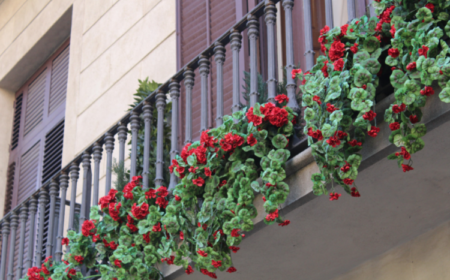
(424, 258)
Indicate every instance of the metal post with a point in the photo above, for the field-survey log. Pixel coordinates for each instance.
(329, 13)
(174, 89)
(32, 207)
(134, 125)
(86, 163)
(74, 174)
(147, 113)
(160, 104)
(23, 221)
(122, 136)
(98, 150)
(235, 44)
(351, 10)
(43, 200)
(63, 184)
(290, 84)
(109, 147)
(53, 193)
(204, 72)
(189, 84)
(253, 33)
(271, 17)
(219, 57)
(12, 244)
(5, 235)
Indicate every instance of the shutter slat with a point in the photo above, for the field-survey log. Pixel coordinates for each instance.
(28, 172)
(9, 187)
(35, 103)
(58, 85)
(53, 151)
(16, 123)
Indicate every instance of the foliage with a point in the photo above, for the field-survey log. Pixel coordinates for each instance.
(407, 39)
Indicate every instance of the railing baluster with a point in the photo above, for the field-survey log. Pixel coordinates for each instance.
(43, 200)
(271, 17)
(235, 44)
(160, 104)
(109, 147)
(53, 193)
(290, 84)
(147, 112)
(204, 72)
(86, 163)
(23, 221)
(32, 207)
(74, 174)
(189, 84)
(174, 89)
(135, 123)
(253, 33)
(97, 152)
(5, 235)
(63, 184)
(219, 57)
(351, 10)
(12, 244)
(329, 13)
(122, 132)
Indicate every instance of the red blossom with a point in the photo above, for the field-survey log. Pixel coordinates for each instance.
(394, 126)
(202, 253)
(140, 212)
(282, 98)
(216, 264)
(234, 249)
(198, 182)
(334, 196)
(210, 274)
(95, 238)
(414, 119)
(394, 53)
(118, 263)
(404, 153)
(294, 72)
(162, 191)
(272, 216)
(151, 193)
(338, 64)
(317, 99)
(177, 198)
(331, 108)
(354, 48)
(344, 29)
(106, 200)
(88, 228)
(65, 241)
(369, 116)
(315, 134)
(253, 118)
(114, 211)
(325, 69)
(231, 269)
(79, 259)
(284, 223)
(348, 181)
(354, 143)
(411, 66)
(398, 109)
(336, 50)
(72, 272)
(334, 142)
(424, 51)
(146, 237)
(189, 270)
(392, 31)
(157, 227)
(346, 167)
(355, 192)
(235, 233)
(427, 91)
(430, 6)
(407, 167)
(207, 140)
(373, 132)
(162, 202)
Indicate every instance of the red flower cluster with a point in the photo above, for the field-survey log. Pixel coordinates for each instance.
(411, 66)
(430, 7)
(322, 40)
(348, 181)
(198, 182)
(140, 212)
(282, 97)
(385, 17)
(79, 259)
(404, 153)
(392, 31)
(210, 274)
(337, 50)
(334, 196)
(157, 227)
(65, 241)
(394, 53)
(373, 132)
(34, 274)
(407, 167)
(253, 118)
(427, 91)
(231, 141)
(369, 116)
(202, 253)
(354, 143)
(114, 210)
(130, 223)
(251, 140)
(189, 270)
(234, 249)
(294, 72)
(315, 134)
(355, 192)
(235, 233)
(398, 108)
(88, 228)
(231, 269)
(200, 153)
(414, 119)
(424, 51)
(325, 69)
(284, 223)
(206, 140)
(354, 48)
(127, 190)
(338, 64)
(394, 126)
(216, 264)
(317, 99)
(168, 260)
(272, 216)
(346, 167)
(334, 141)
(331, 108)
(106, 200)
(118, 263)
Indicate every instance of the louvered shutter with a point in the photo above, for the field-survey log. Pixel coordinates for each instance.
(58, 85)
(9, 187)
(34, 111)
(53, 152)
(28, 175)
(16, 124)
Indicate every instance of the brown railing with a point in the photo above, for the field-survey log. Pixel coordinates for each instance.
(23, 217)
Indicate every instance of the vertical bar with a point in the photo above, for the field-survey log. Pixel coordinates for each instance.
(219, 57)
(86, 163)
(189, 84)
(174, 89)
(309, 54)
(135, 122)
(253, 33)
(271, 17)
(160, 104)
(53, 193)
(23, 220)
(204, 72)
(74, 174)
(290, 84)
(14, 223)
(63, 184)
(329, 13)
(5, 235)
(43, 200)
(97, 151)
(32, 207)
(351, 10)
(109, 147)
(371, 9)
(235, 44)
(122, 135)
(147, 112)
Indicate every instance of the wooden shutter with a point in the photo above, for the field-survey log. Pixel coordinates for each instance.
(53, 152)
(58, 85)
(34, 111)
(9, 187)
(28, 174)
(16, 123)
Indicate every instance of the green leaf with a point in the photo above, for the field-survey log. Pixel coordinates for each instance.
(444, 95)
(419, 130)
(279, 141)
(371, 44)
(192, 160)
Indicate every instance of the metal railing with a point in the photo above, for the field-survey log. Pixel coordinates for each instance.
(59, 183)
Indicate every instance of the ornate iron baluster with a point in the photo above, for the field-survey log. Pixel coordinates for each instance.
(160, 104)
(109, 147)
(219, 57)
(235, 44)
(189, 84)
(13, 223)
(204, 72)
(53, 193)
(174, 89)
(253, 33)
(43, 200)
(86, 163)
(23, 221)
(271, 17)
(63, 184)
(122, 136)
(74, 174)
(5, 235)
(97, 152)
(134, 125)
(32, 207)
(147, 112)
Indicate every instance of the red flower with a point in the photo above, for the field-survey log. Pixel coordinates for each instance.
(65, 241)
(177, 198)
(207, 140)
(162, 202)
(430, 6)
(344, 29)
(106, 200)
(398, 109)
(427, 91)
(202, 253)
(294, 73)
(337, 50)
(162, 191)
(354, 143)
(208, 172)
(355, 192)
(411, 66)
(140, 212)
(253, 118)
(114, 210)
(151, 193)
(44, 269)
(373, 131)
(72, 272)
(95, 238)
(340, 134)
(325, 69)
(210, 274)
(414, 119)
(404, 153)
(223, 183)
(251, 140)
(79, 259)
(272, 216)
(216, 264)
(192, 169)
(334, 196)
(235, 233)
(394, 53)
(394, 126)
(317, 99)
(369, 116)
(315, 134)
(113, 245)
(284, 223)
(334, 142)
(231, 269)
(392, 31)
(278, 117)
(118, 263)
(198, 182)
(189, 270)
(407, 168)
(282, 98)
(185, 152)
(146, 237)
(354, 49)
(346, 167)
(234, 249)
(157, 227)
(331, 108)
(338, 64)
(348, 181)
(424, 51)
(87, 228)
(168, 260)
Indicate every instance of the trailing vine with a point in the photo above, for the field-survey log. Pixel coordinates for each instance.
(407, 40)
